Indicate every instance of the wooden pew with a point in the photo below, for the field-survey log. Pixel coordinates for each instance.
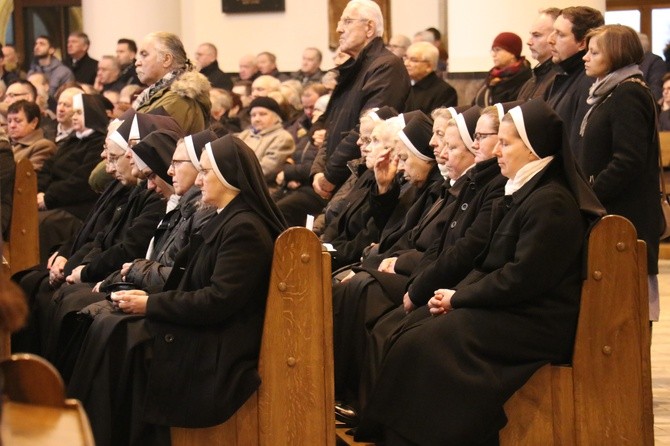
(22, 250)
(604, 396)
(294, 405)
(664, 140)
(35, 410)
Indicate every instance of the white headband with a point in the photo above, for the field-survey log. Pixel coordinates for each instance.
(208, 148)
(465, 133)
(501, 110)
(517, 117)
(412, 147)
(78, 103)
(190, 149)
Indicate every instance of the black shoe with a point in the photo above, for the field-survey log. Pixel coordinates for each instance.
(346, 414)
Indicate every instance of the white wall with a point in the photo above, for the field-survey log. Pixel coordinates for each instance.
(107, 21)
(473, 24)
(303, 23)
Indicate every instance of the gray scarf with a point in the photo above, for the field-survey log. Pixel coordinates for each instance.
(601, 89)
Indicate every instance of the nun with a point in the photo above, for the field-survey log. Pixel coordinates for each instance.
(191, 351)
(180, 222)
(64, 197)
(477, 342)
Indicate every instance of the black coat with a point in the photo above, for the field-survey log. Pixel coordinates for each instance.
(211, 324)
(538, 85)
(374, 79)
(516, 311)
(112, 200)
(430, 93)
(506, 90)
(620, 159)
(125, 237)
(64, 176)
(216, 77)
(567, 96)
(173, 234)
(452, 256)
(203, 338)
(7, 170)
(85, 69)
(366, 216)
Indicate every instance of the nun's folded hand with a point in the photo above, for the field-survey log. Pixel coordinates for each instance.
(319, 137)
(407, 304)
(40, 202)
(440, 303)
(125, 269)
(75, 275)
(131, 301)
(388, 265)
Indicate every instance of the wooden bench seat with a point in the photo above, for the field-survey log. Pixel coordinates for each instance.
(604, 397)
(294, 405)
(22, 250)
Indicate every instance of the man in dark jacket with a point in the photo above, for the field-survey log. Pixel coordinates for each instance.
(428, 91)
(82, 65)
(538, 44)
(567, 95)
(373, 77)
(205, 58)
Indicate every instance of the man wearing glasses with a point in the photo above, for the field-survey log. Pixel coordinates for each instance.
(372, 77)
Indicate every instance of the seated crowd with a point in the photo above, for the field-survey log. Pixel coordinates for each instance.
(456, 232)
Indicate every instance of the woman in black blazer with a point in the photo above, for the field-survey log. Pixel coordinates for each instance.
(620, 139)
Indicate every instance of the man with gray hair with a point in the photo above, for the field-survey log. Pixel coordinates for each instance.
(428, 91)
(109, 73)
(82, 65)
(398, 45)
(310, 68)
(372, 77)
(538, 44)
(172, 83)
(206, 59)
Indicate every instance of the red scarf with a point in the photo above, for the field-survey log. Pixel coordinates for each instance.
(498, 75)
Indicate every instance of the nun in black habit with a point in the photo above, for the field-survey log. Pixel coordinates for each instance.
(190, 357)
(156, 151)
(64, 197)
(475, 344)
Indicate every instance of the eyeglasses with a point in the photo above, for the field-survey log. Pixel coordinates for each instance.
(175, 163)
(480, 136)
(346, 21)
(203, 172)
(113, 159)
